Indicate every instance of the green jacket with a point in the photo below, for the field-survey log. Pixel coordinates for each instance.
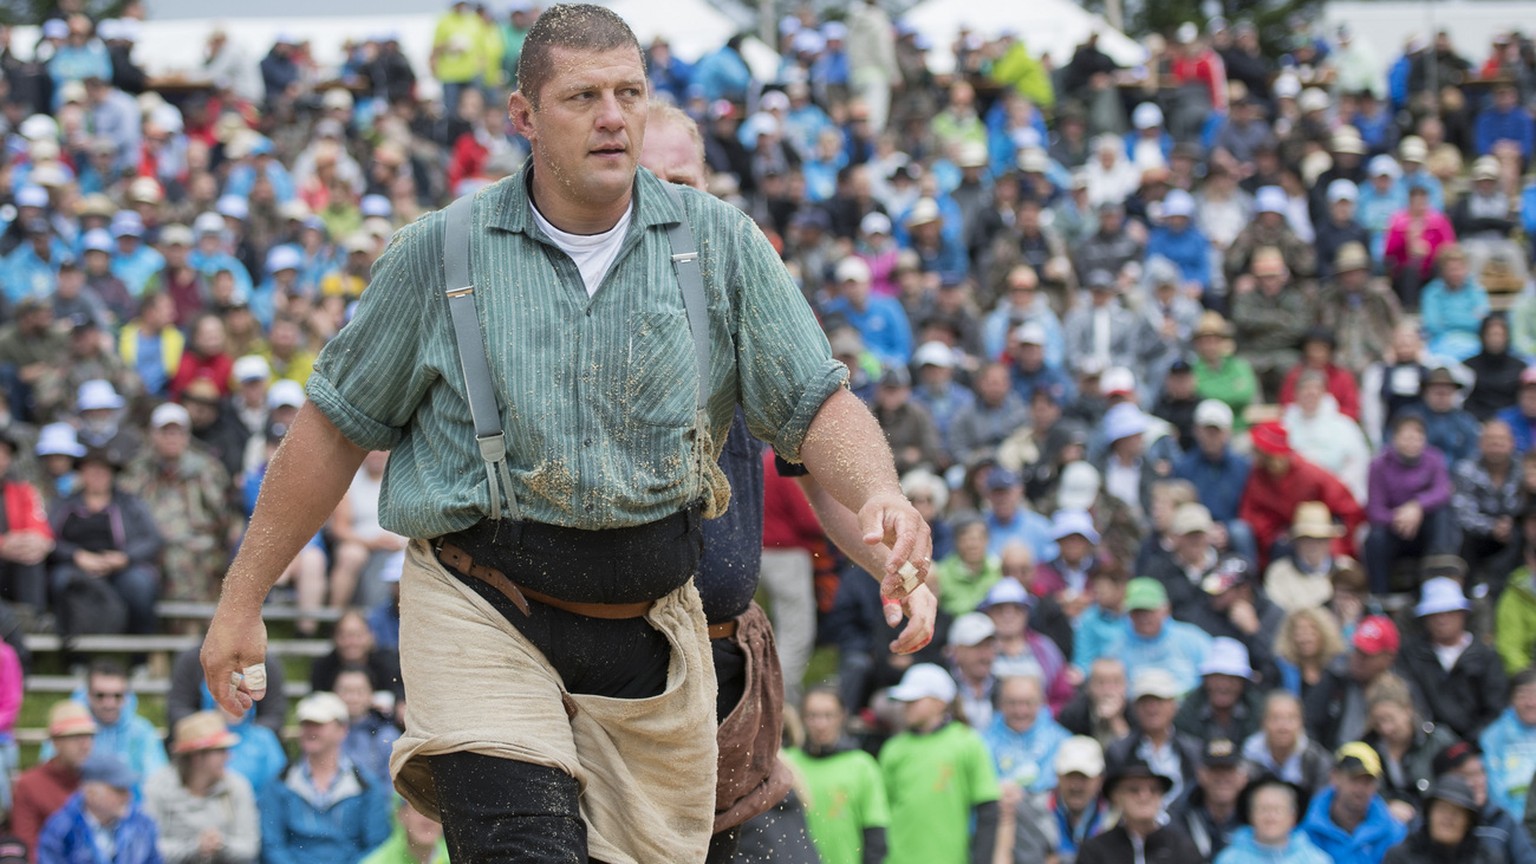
(961, 590)
(395, 851)
(1515, 626)
(1233, 382)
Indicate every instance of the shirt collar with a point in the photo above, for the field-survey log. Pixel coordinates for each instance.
(507, 204)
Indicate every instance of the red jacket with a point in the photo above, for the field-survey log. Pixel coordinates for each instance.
(1341, 386)
(1269, 503)
(788, 520)
(24, 509)
(39, 793)
(217, 369)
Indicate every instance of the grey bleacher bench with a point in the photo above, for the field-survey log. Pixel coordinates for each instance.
(187, 611)
(46, 643)
(61, 684)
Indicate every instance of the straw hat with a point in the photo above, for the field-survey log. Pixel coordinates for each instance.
(204, 730)
(1313, 520)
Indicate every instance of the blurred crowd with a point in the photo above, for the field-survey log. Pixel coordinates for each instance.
(1210, 374)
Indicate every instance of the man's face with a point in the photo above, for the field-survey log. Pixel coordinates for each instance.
(1365, 668)
(1221, 783)
(1472, 771)
(107, 694)
(170, 441)
(1020, 702)
(1148, 622)
(1075, 548)
(589, 127)
(1010, 619)
(1523, 700)
(1497, 444)
(355, 691)
(1353, 792)
(72, 750)
(975, 661)
(1155, 714)
(1078, 791)
(1282, 725)
(320, 739)
(1440, 397)
(670, 152)
(1212, 439)
(1139, 798)
(1223, 691)
(107, 804)
(1446, 627)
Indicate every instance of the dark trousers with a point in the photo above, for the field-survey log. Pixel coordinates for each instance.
(1383, 548)
(498, 810)
(25, 584)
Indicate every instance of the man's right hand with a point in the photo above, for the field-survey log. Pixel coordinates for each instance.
(236, 641)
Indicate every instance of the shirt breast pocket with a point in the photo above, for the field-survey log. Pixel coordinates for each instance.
(661, 382)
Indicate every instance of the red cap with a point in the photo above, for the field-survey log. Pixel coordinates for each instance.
(1376, 634)
(1271, 438)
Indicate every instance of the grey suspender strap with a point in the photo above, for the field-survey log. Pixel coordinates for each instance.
(483, 408)
(685, 261)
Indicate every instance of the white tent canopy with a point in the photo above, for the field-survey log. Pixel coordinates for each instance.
(1053, 28)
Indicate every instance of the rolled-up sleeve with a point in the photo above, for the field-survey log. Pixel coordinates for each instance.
(784, 365)
(370, 379)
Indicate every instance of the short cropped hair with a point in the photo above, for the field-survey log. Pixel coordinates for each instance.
(577, 26)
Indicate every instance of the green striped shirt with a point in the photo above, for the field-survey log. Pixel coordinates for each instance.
(597, 394)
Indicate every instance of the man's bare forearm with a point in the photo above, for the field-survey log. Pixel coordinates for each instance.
(842, 528)
(307, 477)
(846, 452)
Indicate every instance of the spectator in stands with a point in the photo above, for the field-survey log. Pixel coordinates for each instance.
(1283, 481)
(1414, 238)
(1029, 369)
(1010, 520)
(1065, 578)
(1218, 374)
(1336, 707)
(1348, 820)
(1150, 639)
(1209, 813)
(955, 817)
(1487, 503)
(1154, 696)
(1309, 642)
(1461, 678)
(188, 494)
(360, 544)
(258, 756)
(910, 432)
(384, 619)
(966, 574)
(370, 733)
(1407, 743)
(1270, 809)
(26, 539)
(1521, 416)
(356, 646)
(1194, 557)
(416, 839)
(1495, 369)
(1303, 579)
(937, 390)
(1506, 122)
(880, 320)
(103, 814)
(1515, 625)
(1021, 649)
(42, 790)
(971, 652)
(150, 344)
(1408, 506)
(1138, 790)
(107, 538)
(1340, 227)
(995, 414)
(1281, 747)
(1502, 833)
(1023, 736)
(323, 809)
(1361, 312)
(1176, 238)
(1056, 823)
(847, 813)
(1106, 331)
(207, 356)
(188, 693)
(1102, 621)
(203, 810)
(1454, 306)
(1509, 744)
(1319, 349)
(1448, 830)
(1227, 703)
(214, 426)
(1449, 429)
(1320, 433)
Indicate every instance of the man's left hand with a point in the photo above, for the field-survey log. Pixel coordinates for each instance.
(920, 608)
(889, 518)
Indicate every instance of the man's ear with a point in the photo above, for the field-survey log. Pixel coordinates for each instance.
(520, 112)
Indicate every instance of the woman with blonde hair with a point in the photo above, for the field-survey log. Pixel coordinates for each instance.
(1309, 640)
(1406, 742)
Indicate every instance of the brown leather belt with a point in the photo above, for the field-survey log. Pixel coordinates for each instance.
(723, 630)
(461, 561)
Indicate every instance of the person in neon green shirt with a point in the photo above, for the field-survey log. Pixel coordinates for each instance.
(458, 51)
(845, 807)
(1219, 374)
(938, 778)
(415, 840)
(968, 573)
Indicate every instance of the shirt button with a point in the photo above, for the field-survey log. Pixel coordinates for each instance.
(587, 443)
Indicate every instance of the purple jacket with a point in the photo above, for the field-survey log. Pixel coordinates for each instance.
(1394, 482)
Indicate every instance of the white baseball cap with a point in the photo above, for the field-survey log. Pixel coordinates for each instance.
(285, 393)
(924, 681)
(1440, 594)
(971, 629)
(1227, 656)
(1080, 755)
(252, 367)
(98, 394)
(853, 269)
(934, 354)
(1213, 412)
(322, 708)
(169, 414)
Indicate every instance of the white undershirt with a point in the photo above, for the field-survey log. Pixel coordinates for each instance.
(594, 254)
